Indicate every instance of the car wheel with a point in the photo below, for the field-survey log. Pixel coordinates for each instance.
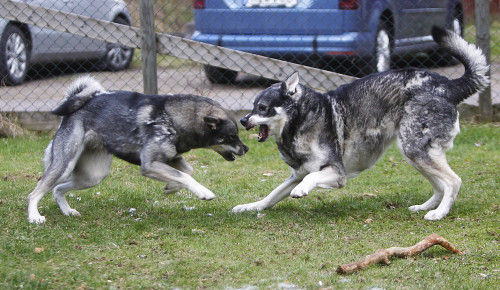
(118, 57)
(381, 58)
(457, 25)
(217, 75)
(13, 56)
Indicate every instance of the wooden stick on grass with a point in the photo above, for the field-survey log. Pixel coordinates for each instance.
(382, 256)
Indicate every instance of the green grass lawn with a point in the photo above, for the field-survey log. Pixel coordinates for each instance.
(178, 241)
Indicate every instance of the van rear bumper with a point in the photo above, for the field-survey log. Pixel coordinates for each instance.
(350, 43)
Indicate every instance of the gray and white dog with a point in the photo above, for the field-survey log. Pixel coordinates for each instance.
(329, 138)
(152, 131)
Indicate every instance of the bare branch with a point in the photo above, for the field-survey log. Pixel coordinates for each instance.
(383, 256)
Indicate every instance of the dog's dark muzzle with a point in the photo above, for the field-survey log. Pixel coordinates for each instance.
(245, 123)
(243, 149)
(229, 155)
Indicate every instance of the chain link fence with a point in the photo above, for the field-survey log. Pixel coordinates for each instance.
(351, 38)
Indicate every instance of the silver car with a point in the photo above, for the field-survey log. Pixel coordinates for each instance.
(22, 45)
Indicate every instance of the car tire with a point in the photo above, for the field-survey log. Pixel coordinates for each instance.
(117, 57)
(217, 75)
(381, 60)
(14, 54)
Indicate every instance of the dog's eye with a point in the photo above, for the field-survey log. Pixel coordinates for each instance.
(232, 137)
(261, 108)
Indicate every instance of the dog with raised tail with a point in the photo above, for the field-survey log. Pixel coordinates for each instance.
(328, 138)
(152, 131)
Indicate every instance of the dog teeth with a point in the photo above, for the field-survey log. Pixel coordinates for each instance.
(263, 133)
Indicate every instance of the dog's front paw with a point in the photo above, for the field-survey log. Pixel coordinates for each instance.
(435, 215)
(425, 206)
(208, 196)
(36, 219)
(415, 208)
(204, 194)
(300, 191)
(72, 212)
(254, 206)
(172, 188)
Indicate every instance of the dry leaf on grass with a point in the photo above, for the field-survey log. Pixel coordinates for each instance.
(39, 250)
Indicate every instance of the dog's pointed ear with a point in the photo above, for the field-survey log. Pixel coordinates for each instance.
(289, 87)
(211, 122)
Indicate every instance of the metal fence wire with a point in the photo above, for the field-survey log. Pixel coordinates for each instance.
(43, 48)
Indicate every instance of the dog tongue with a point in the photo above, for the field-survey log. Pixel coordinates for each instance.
(263, 133)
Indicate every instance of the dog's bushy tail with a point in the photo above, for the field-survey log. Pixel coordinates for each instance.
(79, 93)
(474, 79)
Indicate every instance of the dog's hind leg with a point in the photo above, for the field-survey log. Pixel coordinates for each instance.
(436, 198)
(59, 160)
(277, 195)
(92, 167)
(46, 184)
(428, 156)
(446, 185)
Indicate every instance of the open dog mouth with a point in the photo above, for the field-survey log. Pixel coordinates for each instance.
(263, 133)
(228, 156)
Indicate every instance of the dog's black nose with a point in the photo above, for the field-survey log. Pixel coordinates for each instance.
(245, 147)
(244, 121)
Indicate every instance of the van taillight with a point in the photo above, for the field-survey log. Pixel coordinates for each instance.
(348, 4)
(199, 4)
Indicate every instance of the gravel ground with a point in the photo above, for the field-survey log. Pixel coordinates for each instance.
(44, 94)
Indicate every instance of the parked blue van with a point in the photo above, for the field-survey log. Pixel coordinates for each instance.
(367, 32)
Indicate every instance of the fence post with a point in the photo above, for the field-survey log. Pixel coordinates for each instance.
(483, 41)
(148, 47)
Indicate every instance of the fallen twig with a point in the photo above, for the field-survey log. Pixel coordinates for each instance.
(382, 256)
